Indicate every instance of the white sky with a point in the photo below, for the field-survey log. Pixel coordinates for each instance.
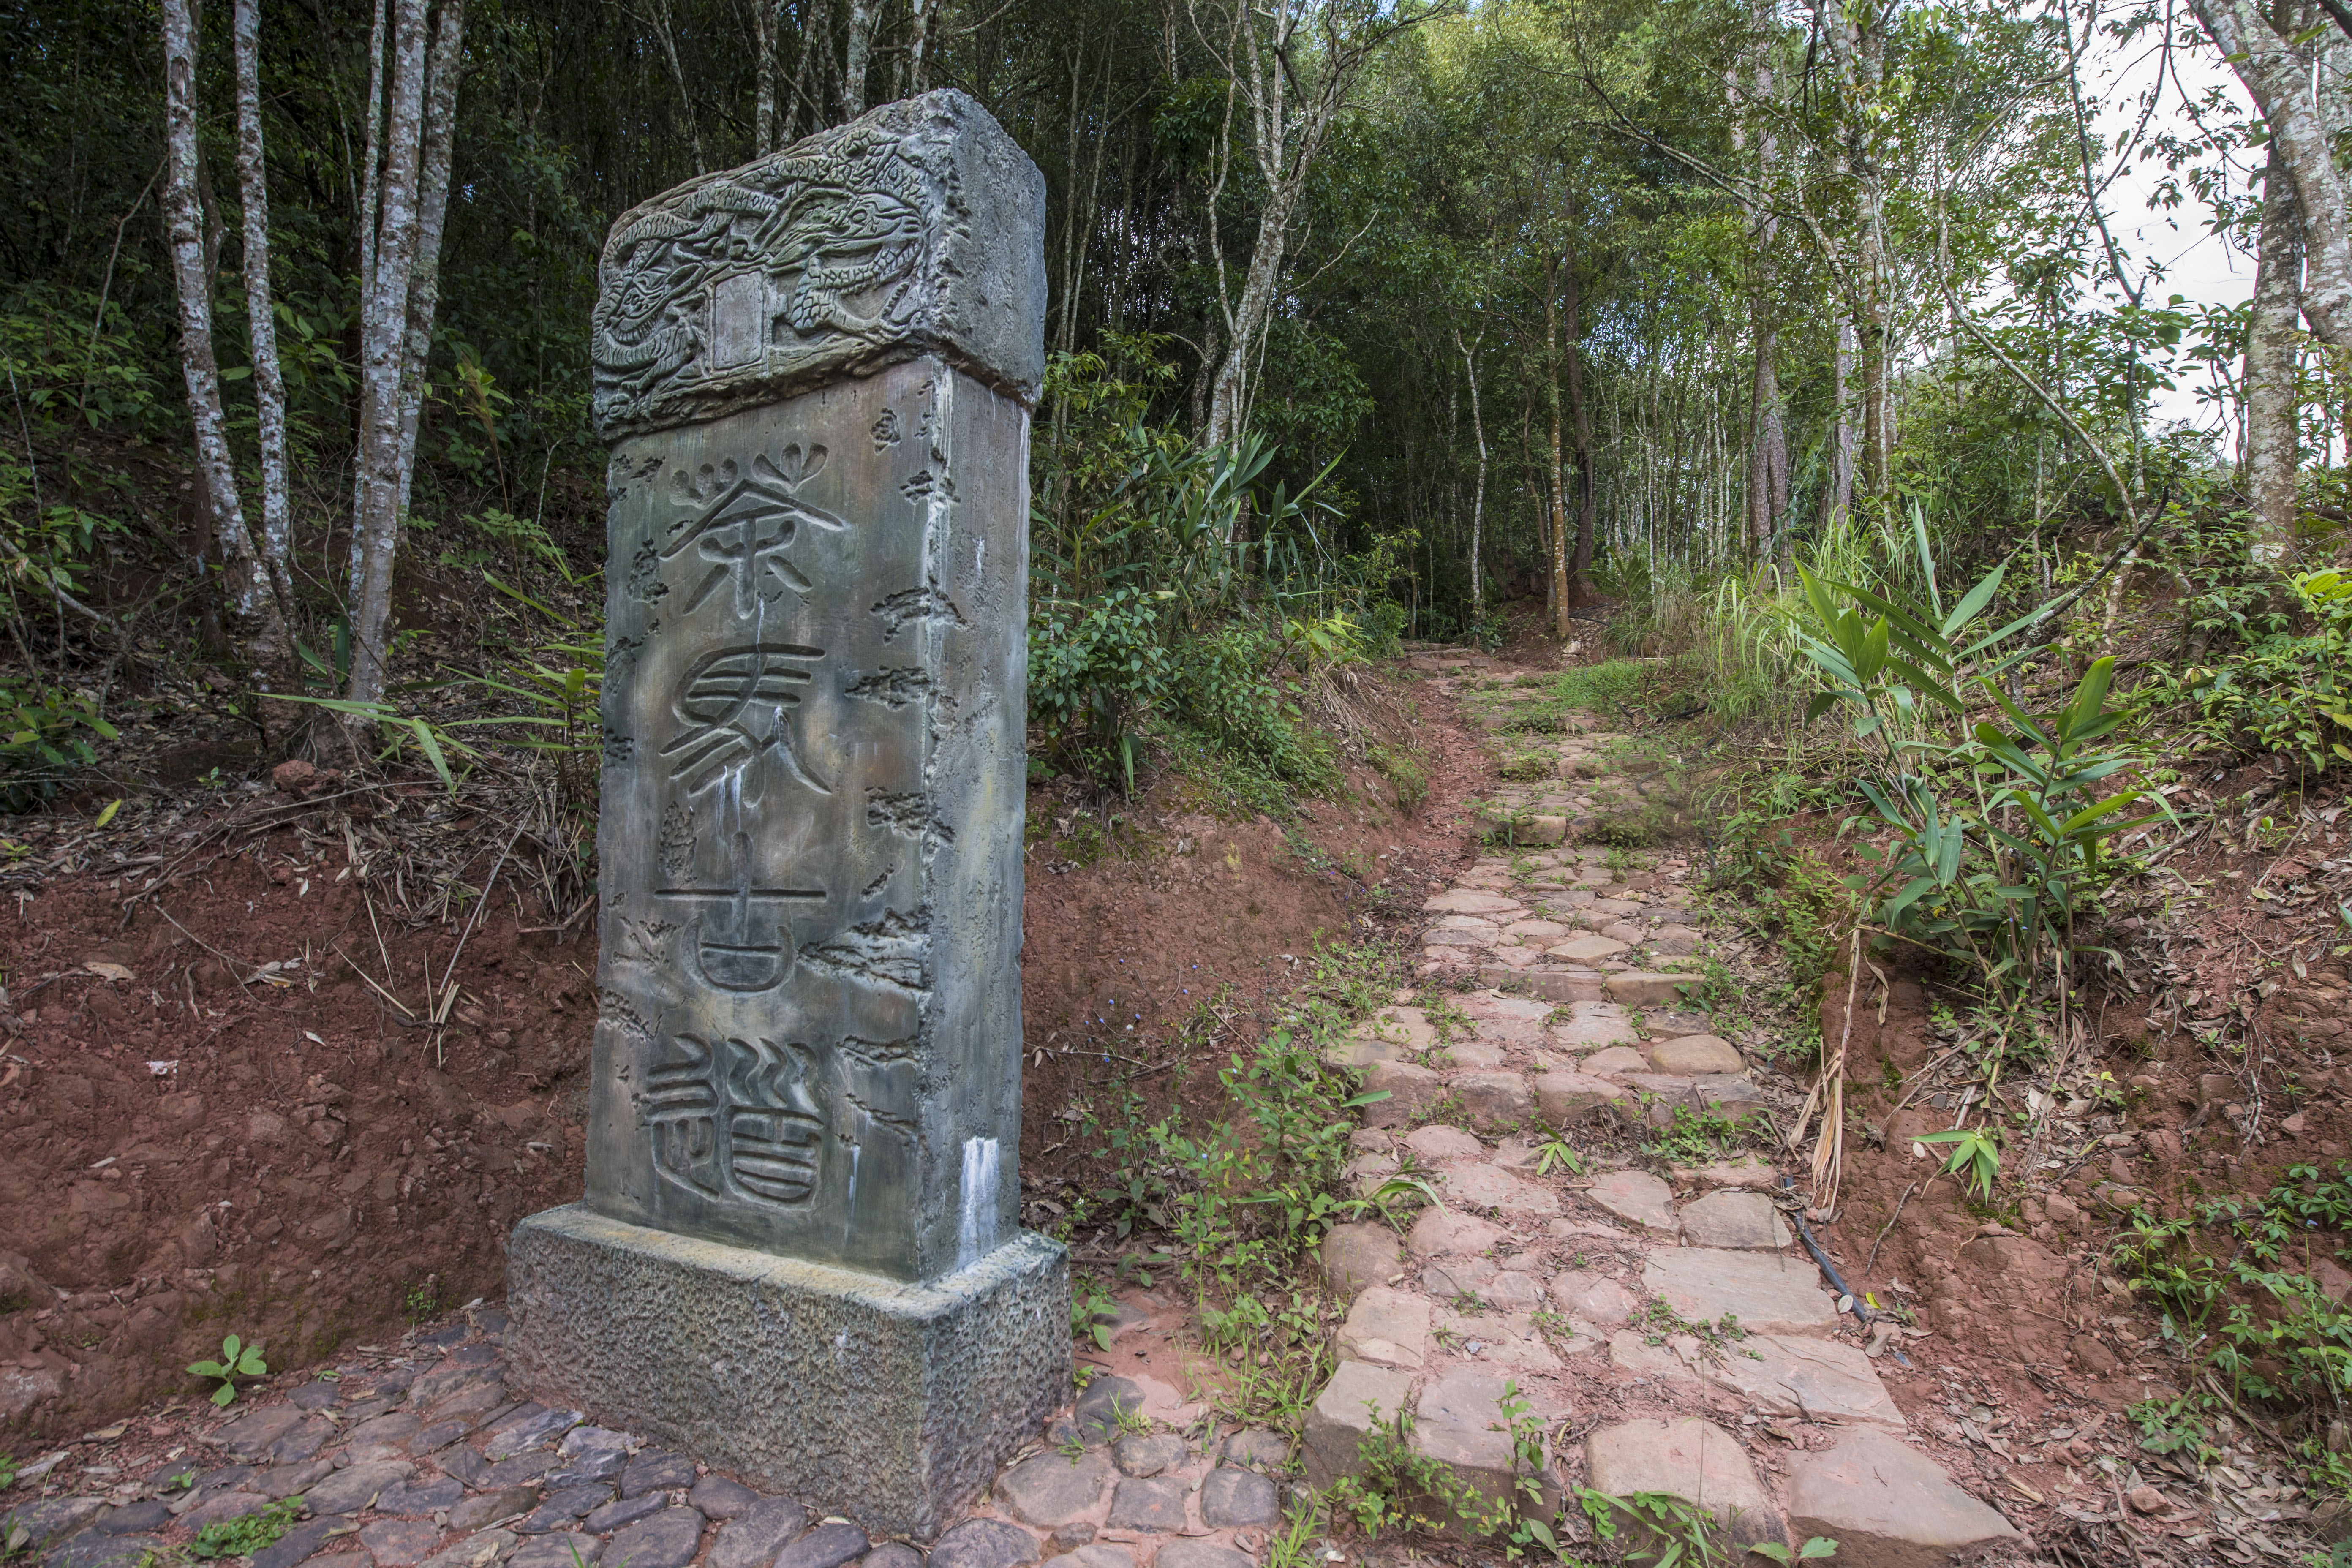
(2197, 263)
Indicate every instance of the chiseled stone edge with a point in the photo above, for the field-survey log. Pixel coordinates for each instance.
(889, 1404)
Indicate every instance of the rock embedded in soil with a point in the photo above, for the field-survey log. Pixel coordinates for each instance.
(1155, 1504)
(306, 1540)
(1766, 1292)
(1641, 988)
(1439, 1141)
(1257, 1449)
(1388, 1328)
(1693, 1461)
(1592, 1298)
(556, 1551)
(400, 1542)
(1190, 1553)
(1239, 1500)
(1567, 1096)
(1149, 1456)
(654, 1471)
(356, 1489)
(826, 1546)
(1440, 1232)
(1636, 1197)
(474, 1551)
(1887, 1505)
(1048, 1491)
(1411, 1091)
(1358, 1255)
(1731, 1218)
(614, 1515)
(1594, 1024)
(1695, 1054)
(422, 1497)
(1471, 901)
(1493, 1099)
(752, 1538)
(1486, 1187)
(716, 1497)
(1103, 1410)
(1359, 1398)
(665, 1540)
(1614, 1061)
(1822, 1380)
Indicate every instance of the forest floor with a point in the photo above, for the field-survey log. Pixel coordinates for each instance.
(252, 1085)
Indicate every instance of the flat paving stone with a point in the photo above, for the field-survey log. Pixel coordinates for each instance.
(1439, 1141)
(826, 1546)
(135, 1517)
(1641, 988)
(315, 1396)
(1154, 1504)
(559, 1551)
(356, 1489)
(1257, 1449)
(1411, 1091)
(1688, 1458)
(1444, 1233)
(654, 1471)
(477, 1550)
(522, 1470)
(96, 1549)
(531, 1433)
(667, 1539)
(558, 1510)
(302, 1543)
(752, 1538)
(1407, 1026)
(1614, 1061)
(1637, 1197)
(1766, 1292)
(1566, 1095)
(418, 1496)
(1149, 1456)
(1589, 948)
(1358, 1397)
(1238, 1500)
(596, 1464)
(1493, 1099)
(1048, 1491)
(716, 1497)
(1196, 1554)
(1471, 901)
(1887, 1505)
(1489, 1187)
(489, 1507)
(984, 1544)
(619, 1512)
(1735, 1218)
(249, 1436)
(1592, 1298)
(1388, 1328)
(892, 1554)
(1789, 1374)
(400, 1542)
(1108, 1406)
(1358, 1255)
(1098, 1554)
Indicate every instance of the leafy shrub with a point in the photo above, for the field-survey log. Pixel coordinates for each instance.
(1096, 669)
(44, 739)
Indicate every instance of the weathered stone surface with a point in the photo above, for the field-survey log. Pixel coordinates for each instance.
(655, 1471)
(1154, 1503)
(1552, 985)
(356, 1489)
(1359, 1397)
(400, 1542)
(1094, 1555)
(596, 1464)
(520, 1470)
(556, 1551)
(1109, 1407)
(1387, 1328)
(1493, 1099)
(1511, 1290)
(1400, 1026)
(1566, 1095)
(1636, 1196)
(1258, 1450)
(665, 1540)
(224, 1507)
(308, 1539)
(1141, 1456)
(984, 1544)
(1695, 1460)
(1735, 1218)
(716, 1497)
(1193, 1553)
(1747, 1171)
(1358, 1255)
(1695, 1054)
(1442, 1233)
(1411, 1091)
(1591, 1298)
(478, 1551)
(1460, 1424)
(249, 1436)
(96, 1549)
(512, 1437)
(1048, 1491)
(621, 1512)
(414, 1496)
(1792, 1374)
(134, 1519)
(1614, 1061)
(1238, 1500)
(1886, 1505)
(1766, 1293)
(1442, 1142)
(560, 1510)
(826, 1546)
(1594, 1024)
(49, 1518)
(1632, 1351)
(704, 1347)
(898, 1555)
(1487, 1187)
(1640, 988)
(752, 1538)
(1470, 901)
(1588, 949)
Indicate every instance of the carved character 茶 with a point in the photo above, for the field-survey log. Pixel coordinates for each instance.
(743, 524)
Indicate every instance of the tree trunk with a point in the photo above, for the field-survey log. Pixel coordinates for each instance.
(2270, 404)
(1479, 495)
(1579, 417)
(268, 378)
(442, 69)
(371, 214)
(1840, 499)
(918, 42)
(376, 532)
(1559, 488)
(862, 15)
(250, 609)
(763, 107)
(2281, 80)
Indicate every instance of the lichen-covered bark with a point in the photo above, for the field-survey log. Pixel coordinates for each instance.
(2270, 368)
(268, 380)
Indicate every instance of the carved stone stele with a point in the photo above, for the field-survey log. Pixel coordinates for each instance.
(805, 1098)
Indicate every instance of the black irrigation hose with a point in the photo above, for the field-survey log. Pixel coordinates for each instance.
(1863, 1313)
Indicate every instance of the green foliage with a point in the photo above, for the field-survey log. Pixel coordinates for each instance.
(1976, 1158)
(2247, 1266)
(244, 1537)
(46, 735)
(1695, 1137)
(1091, 1308)
(7, 1469)
(1995, 837)
(236, 1360)
(1397, 1488)
(2283, 683)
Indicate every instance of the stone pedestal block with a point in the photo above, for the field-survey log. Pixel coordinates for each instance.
(886, 1401)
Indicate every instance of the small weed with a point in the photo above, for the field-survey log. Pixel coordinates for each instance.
(244, 1537)
(236, 1360)
(1695, 1137)
(423, 1301)
(1090, 1305)
(1558, 1154)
